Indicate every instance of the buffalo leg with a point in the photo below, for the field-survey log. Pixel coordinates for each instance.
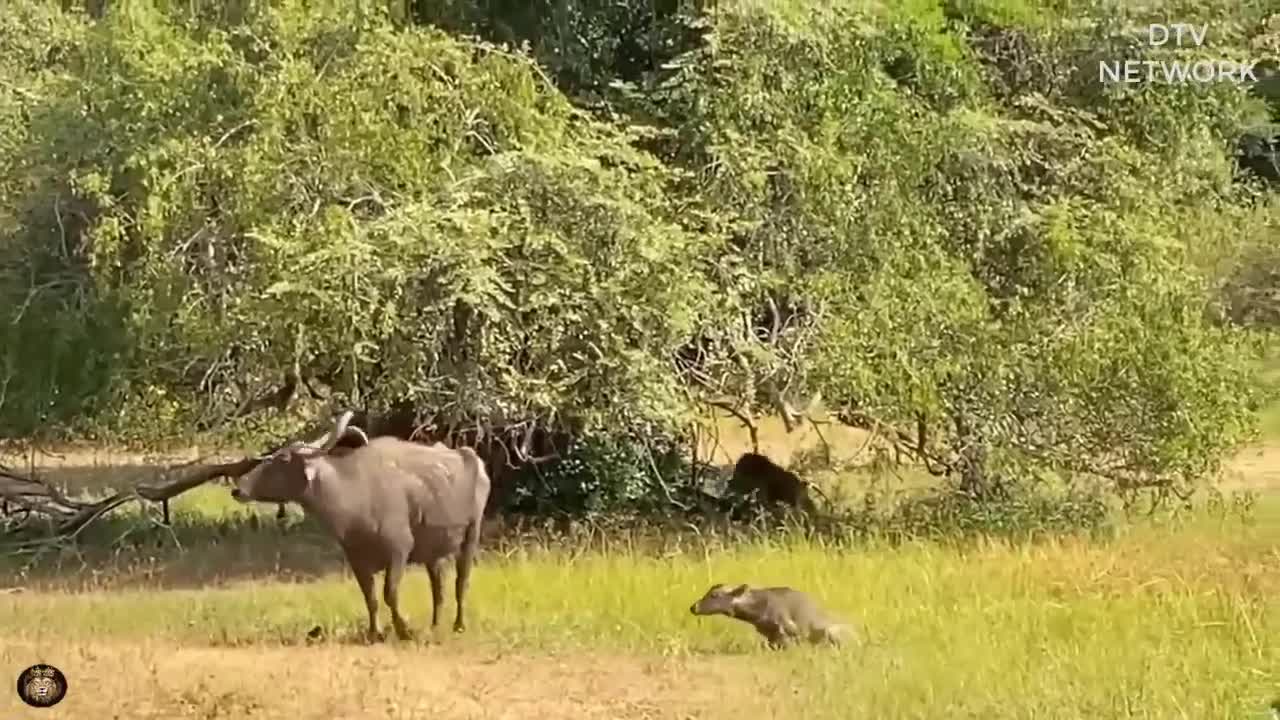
(364, 577)
(391, 595)
(435, 571)
(465, 557)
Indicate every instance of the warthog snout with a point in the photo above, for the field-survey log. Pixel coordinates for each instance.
(719, 600)
(708, 606)
(239, 495)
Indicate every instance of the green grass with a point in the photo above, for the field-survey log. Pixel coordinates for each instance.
(1170, 620)
(1269, 416)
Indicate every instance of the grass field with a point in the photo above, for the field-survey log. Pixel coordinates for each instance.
(1172, 618)
(1175, 620)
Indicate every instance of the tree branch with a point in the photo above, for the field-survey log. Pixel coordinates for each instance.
(72, 517)
(745, 418)
(900, 440)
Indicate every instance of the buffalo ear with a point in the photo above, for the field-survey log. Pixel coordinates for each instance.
(301, 473)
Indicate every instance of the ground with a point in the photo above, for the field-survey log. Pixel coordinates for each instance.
(1173, 618)
(166, 680)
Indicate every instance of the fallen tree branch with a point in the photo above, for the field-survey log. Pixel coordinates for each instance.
(71, 517)
(35, 495)
(203, 474)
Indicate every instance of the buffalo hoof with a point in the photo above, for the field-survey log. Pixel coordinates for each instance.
(374, 636)
(459, 628)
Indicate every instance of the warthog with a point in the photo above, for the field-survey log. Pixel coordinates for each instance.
(769, 482)
(389, 503)
(780, 614)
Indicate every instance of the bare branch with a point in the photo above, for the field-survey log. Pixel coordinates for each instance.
(826, 446)
(745, 418)
(901, 442)
(775, 321)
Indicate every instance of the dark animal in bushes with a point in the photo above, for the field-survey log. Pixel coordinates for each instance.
(389, 503)
(1258, 153)
(783, 616)
(771, 484)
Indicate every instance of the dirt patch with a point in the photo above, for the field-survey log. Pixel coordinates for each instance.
(729, 440)
(164, 681)
(1255, 468)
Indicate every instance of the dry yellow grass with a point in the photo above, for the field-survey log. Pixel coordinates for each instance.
(145, 679)
(1254, 468)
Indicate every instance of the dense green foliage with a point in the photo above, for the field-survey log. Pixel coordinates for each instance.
(930, 215)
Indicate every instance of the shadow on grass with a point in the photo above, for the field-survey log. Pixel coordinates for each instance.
(351, 634)
(193, 551)
(213, 541)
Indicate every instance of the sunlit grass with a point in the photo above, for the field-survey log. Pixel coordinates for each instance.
(1177, 619)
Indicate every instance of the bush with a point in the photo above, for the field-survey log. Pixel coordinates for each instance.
(1021, 516)
(605, 473)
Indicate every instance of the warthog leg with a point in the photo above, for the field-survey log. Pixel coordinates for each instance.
(391, 594)
(775, 635)
(435, 571)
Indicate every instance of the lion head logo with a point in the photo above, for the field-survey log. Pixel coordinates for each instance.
(42, 686)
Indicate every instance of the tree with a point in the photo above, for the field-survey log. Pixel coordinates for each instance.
(404, 214)
(1001, 286)
(932, 218)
